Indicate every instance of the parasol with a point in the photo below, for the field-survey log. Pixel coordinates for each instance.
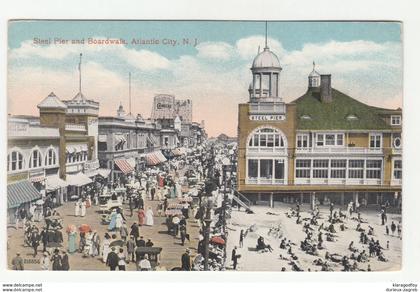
(40, 202)
(84, 228)
(71, 228)
(116, 243)
(217, 240)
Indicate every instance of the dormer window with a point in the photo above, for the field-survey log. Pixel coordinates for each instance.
(395, 120)
(352, 118)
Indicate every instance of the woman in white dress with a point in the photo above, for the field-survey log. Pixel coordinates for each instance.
(149, 217)
(105, 247)
(77, 208)
(83, 208)
(118, 221)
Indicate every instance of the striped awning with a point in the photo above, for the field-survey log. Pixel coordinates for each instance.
(155, 158)
(21, 192)
(124, 165)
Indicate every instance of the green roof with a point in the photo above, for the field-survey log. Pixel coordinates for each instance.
(334, 115)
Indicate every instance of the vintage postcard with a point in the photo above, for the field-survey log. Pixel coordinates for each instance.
(204, 145)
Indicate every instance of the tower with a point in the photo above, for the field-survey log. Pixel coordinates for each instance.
(265, 75)
(81, 110)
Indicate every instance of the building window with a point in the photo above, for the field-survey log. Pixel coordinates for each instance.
(14, 161)
(35, 160)
(319, 140)
(356, 168)
(302, 141)
(320, 168)
(395, 120)
(397, 169)
(266, 168)
(51, 157)
(375, 141)
(373, 169)
(303, 168)
(279, 169)
(266, 138)
(253, 168)
(330, 139)
(338, 168)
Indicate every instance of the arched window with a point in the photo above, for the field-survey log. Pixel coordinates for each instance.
(266, 157)
(35, 160)
(50, 157)
(266, 139)
(15, 161)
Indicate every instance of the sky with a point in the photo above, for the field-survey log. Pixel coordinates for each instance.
(212, 68)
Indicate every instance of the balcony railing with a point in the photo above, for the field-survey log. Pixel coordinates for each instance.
(265, 181)
(361, 150)
(75, 127)
(266, 108)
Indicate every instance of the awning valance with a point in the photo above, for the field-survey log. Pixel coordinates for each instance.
(54, 182)
(21, 192)
(123, 165)
(104, 172)
(78, 180)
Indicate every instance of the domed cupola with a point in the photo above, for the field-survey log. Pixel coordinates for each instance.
(314, 78)
(265, 70)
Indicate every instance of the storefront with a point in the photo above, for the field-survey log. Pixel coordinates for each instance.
(20, 195)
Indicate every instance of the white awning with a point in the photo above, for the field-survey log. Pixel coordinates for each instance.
(70, 149)
(101, 138)
(132, 162)
(53, 183)
(104, 172)
(78, 180)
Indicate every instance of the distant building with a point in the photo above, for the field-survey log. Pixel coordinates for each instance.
(126, 142)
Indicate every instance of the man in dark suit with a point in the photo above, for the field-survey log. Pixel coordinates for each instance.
(44, 239)
(185, 261)
(112, 260)
(235, 257)
(140, 242)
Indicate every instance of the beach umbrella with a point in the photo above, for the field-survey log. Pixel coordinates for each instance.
(84, 228)
(217, 240)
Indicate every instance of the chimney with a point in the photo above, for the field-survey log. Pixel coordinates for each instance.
(326, 93)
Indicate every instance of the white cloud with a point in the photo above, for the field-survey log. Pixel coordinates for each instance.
(248, 47)
(215, 50)
(143, 60)
(369, 71)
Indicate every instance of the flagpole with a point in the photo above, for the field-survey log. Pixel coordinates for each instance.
(80, 73)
